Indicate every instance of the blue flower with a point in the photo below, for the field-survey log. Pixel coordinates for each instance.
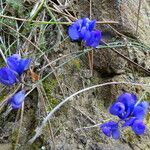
(111, 129)
(124, 105)
(83, 29)
(131, 114)
(16, 100)
(16, 63)
(78, 29)
(7, 76)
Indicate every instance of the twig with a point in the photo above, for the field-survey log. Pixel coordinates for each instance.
(21, 120)
(48, 117)
(94, 126)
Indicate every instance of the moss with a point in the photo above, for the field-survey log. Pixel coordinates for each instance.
(2, 63)
(130, 136)
(75, 64)
(3, 95)
(147, 96)
(95, 80)
(147, 120)
(49, 86)
(96, 137)
(14, 138)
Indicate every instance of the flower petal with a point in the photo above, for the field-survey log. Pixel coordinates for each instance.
(128, 99)
(117, 108)
(92, 25)
(106, 131)
(13, 61)
(129, 122)
(109, 128)
(126, 114)
(17, 64)
(89, 24)
(17, 99)
(116, 134)
(7, 76)
(138, 127)
(74, 34)
(23, 65)
(140, 110)
(94, 39)
(85, 34)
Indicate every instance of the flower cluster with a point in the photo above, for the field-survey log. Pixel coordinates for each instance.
(131, 113)
(15, 67)
(9, 75)
(83, 29)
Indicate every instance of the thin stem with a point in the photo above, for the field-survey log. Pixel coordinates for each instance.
(51, 22)
(20, 125)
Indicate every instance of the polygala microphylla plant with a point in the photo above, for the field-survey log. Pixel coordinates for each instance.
(83, 29)
(15, 68)
(130, 112)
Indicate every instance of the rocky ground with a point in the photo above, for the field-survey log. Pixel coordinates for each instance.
(73, 72)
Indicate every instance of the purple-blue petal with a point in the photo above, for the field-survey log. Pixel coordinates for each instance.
(7, 76)
(13, 61)
(73, 32)
(128, 99)
(94, 39)
(117, 108)
(110, 129)
(92, 25)
(89, 24)
(116, 134)
(17, 64)
(85, 22)
(138, 127)
(140, 110)
(129, 122)
(23, 65)
(126, 114)
(17, 99)
(107, 131)
(85, 34)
